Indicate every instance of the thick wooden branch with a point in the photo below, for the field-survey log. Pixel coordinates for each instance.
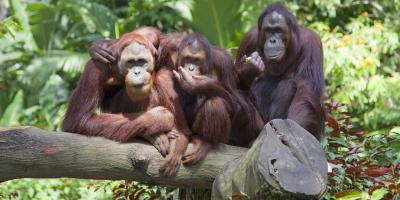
(284, 162)
(29, 152)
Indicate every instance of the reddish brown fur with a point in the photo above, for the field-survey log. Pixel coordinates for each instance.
(121, 118)
(119, 45)
(220, 114)
(168, 49)
(296, 94)
(245, 122)
(150, 33)
(227, 115)
(92, 93)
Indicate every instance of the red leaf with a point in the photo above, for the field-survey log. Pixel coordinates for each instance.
(335, 161)
(379, 181)
(358, 133)
(333, 124)
(375, 172)
(363, 162)
(355, 171)
(389, 181)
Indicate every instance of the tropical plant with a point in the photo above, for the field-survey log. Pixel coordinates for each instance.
(43, 47)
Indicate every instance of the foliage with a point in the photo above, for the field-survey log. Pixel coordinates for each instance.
(39, 189)
(220, 23)
(363, 165)
(367, 80)
(43, 48)
(160, 13)
(135, 190)
(9, 26)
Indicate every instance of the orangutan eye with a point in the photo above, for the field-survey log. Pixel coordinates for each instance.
(138, 62)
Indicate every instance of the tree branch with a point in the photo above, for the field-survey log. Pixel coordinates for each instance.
(285, 161)
(29, 152)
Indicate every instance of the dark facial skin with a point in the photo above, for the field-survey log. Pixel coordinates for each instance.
(194, 72)
(193, 60)
(136, 66)
(276, 33)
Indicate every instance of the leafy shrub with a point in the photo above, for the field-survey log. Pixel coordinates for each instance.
(39, 70)
(39, 189)
(361, 71)
(363, 165)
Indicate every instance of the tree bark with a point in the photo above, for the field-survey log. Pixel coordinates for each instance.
(284, 162)
(29, 152)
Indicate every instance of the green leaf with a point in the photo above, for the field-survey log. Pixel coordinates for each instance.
(52, 96)
(12, 112)
(38, 72)
(350, 194)
(219, 20)
(102, 17)
(19, 12)
(71, 62)
(43, 22)
(10, 56)
(9, 30)
(379, 194)
(53, 93)
(395, 130)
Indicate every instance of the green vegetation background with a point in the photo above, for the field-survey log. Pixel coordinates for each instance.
(44, 46)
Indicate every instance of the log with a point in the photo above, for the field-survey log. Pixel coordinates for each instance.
(285, 161)
(29, 152)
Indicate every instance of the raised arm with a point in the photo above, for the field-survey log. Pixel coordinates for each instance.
(200, 84)
(248, 62)
(100, 52)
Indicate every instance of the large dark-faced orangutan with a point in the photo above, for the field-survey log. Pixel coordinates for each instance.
(134, 99)
(284, 74)
(212, 104)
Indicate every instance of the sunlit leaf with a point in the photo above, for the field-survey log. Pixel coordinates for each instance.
(19, 12)
(348, 195)
(217, 19)
(43, 21)
(13, 111)
(10, 56)
(395, 130)
(379, 194)
(53, 93)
